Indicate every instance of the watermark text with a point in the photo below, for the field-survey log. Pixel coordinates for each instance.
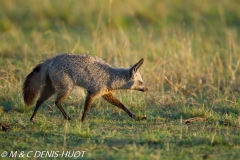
(43, 154)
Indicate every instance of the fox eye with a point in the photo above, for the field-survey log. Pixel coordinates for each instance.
(140, 82)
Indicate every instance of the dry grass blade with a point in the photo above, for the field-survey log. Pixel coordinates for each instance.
(177, 87)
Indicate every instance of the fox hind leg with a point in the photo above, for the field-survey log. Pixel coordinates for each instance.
(109, 97)
(59, 99)
(46, 93)
(63, 85)
(88, 102)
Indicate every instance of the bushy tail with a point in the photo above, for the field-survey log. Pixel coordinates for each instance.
(33, 83)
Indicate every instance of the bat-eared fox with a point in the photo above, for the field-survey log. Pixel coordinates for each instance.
(59, 74)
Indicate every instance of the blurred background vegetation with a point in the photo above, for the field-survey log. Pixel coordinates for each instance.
(187, 41)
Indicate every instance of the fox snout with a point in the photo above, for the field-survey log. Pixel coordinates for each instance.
(143, 89)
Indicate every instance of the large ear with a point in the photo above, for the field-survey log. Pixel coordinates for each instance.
(136, 66)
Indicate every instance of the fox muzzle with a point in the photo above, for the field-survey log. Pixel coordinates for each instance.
(143, 89)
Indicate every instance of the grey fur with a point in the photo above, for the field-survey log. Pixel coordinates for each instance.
(91, 73)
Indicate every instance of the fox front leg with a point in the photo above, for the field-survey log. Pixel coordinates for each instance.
(109, 97)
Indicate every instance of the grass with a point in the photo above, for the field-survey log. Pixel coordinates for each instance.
(191, 68)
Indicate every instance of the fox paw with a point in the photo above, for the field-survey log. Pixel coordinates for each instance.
(141, 118)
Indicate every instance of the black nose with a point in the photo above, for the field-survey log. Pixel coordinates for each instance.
(144, 89)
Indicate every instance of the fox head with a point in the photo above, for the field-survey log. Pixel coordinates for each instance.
(135, 81)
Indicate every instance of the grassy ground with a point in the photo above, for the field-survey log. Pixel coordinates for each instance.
(191, 68)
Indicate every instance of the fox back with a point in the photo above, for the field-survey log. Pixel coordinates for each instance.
(92, 73)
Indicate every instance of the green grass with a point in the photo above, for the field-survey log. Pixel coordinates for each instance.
(191, 51)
